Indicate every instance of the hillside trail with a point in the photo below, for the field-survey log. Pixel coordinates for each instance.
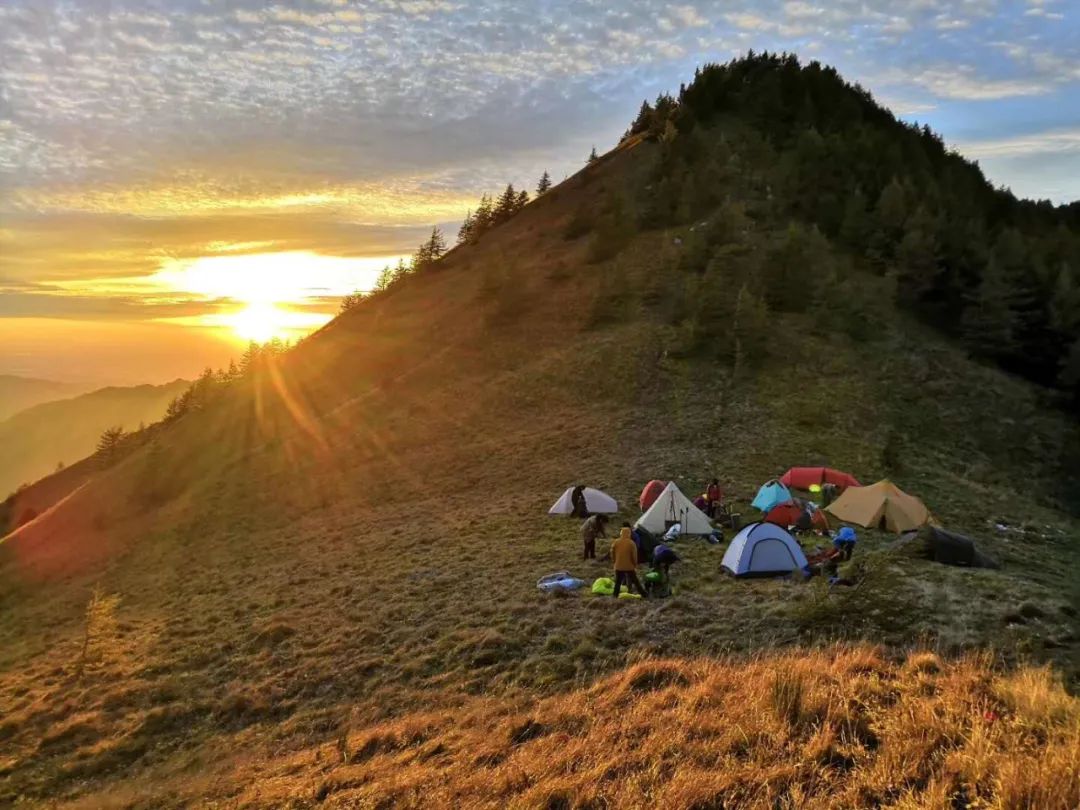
(43, 516)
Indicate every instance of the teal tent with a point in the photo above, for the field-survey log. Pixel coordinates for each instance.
(772, 493)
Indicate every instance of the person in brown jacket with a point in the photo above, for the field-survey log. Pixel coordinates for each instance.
(590, 530)
(624, 553)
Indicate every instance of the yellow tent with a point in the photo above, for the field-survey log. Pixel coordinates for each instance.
(880, 503)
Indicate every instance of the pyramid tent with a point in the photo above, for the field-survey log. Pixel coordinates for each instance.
(673, 507)
(880, 505)
(772, 493)
(763, 549)
(596, 503)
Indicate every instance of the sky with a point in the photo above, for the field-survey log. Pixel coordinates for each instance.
(179, 177)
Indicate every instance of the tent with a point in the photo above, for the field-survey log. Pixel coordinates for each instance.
(650, 493)
(953, 549)
(674, 507)
(772, 493)
(596, 502)
(799, 514)
(806, 477)
(763, 549)
(880, 505)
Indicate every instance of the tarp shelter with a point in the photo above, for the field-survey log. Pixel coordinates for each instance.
(673, 507)
(772, 493)
(881, 505)
(763, 549)
(650, 493)
(796, 513)
(806, 477)
(953, 549)
(597, 502)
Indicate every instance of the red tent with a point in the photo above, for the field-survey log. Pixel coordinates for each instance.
(804, 477)
(651, 493)
(788, 514)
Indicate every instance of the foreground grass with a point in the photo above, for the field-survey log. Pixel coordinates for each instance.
(841, 727)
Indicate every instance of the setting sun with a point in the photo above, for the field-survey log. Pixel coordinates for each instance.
(258, 322)
(281, 295)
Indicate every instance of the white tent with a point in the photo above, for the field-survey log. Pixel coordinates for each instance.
(763, 549)
(596, 502)
(674, 507)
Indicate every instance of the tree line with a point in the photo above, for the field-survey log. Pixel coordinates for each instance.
(998, 273)
(490, 212)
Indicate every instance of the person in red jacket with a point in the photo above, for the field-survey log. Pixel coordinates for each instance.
(714, 496)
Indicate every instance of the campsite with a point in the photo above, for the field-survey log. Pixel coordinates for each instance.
(783, 537)
(314, 583)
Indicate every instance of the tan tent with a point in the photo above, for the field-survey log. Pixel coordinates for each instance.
(880, 504)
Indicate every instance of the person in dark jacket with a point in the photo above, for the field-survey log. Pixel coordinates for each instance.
(663, 558)
(577, 503)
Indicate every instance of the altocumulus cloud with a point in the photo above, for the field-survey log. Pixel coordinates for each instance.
(148, 130)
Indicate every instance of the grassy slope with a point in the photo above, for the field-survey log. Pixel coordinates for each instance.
(358, 540)
(35, 439)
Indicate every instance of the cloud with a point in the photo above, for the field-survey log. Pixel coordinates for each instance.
(962, 82)
(130, 133)
(1037, 143)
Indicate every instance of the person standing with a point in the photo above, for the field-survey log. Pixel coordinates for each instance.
(591, 529)
(713, 497)
(625, 556)
(577, 502)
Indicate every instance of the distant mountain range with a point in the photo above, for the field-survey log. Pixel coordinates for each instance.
(20, 393)
(35, 440)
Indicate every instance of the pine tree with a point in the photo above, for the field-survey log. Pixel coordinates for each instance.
(856, 226)
(249, 361)
(483, 219)
(384, 279)
(750, 329)
(643, 120)
(429, 251)
(353, 299)
(988, 321)
(544, 184)
(505, 207)
(521, 201)
(436, 244)
(890, 214)
(917, 257)
(108, 445)
(593, 157)
(465, 232)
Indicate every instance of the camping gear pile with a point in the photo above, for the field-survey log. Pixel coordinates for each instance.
(561, 581)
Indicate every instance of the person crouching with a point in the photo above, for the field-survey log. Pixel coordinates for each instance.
(625, 556)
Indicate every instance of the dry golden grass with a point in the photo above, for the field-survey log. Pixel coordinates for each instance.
(846, 727)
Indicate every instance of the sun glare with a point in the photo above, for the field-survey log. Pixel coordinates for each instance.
(268, 288)
(259, 322)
